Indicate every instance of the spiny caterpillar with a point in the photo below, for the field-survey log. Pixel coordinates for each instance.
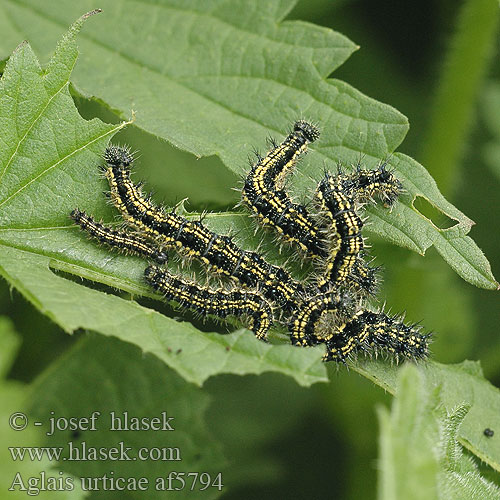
(219, 302)
(362, 331)
(263, 192)
(128, 243)
(346, 222)
(331, 311)
(364, 185)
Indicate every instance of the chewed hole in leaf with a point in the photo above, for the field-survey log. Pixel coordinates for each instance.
(430, 212)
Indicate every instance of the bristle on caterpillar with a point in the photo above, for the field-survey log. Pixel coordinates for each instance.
(364, 185)
(363, 278)
(215, 302)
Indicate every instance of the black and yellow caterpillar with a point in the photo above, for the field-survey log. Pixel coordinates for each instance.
(330, 311)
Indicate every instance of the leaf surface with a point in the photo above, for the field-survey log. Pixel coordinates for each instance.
(130, 386)
(459, 384)
(420, 455)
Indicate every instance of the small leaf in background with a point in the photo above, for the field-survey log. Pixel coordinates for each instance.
(408, 463)
(458, 384)
(420, 457)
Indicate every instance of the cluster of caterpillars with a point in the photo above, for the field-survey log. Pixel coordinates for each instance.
(330, 309)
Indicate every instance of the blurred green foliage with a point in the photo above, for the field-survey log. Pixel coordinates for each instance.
(321, 442)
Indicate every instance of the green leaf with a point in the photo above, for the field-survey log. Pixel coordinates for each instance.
(420, 455)
(408, 465)
(459, 384)
(15, 475)
(216, 78)
(43, 141)
(141, 386)
(49, 166)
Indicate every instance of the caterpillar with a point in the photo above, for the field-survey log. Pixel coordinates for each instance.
(363, 331)
(263, 193)
(121, 240)
(207, 301)
(376, 332)
(347, 224)
(219, 303)
(329, 311)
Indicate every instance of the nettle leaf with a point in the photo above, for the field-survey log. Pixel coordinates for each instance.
(216, 77)
(49, 158)
(458, 385)
(142, 387)
(420, 455)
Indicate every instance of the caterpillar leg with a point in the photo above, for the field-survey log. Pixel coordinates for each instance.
(128, 243)
(215, 302)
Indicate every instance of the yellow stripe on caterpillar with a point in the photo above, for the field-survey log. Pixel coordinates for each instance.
(263, 191)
